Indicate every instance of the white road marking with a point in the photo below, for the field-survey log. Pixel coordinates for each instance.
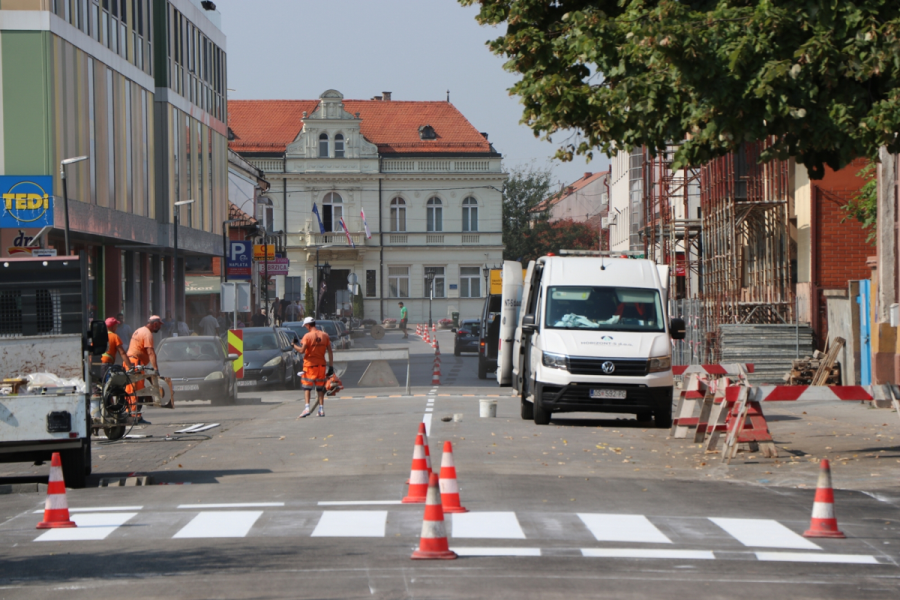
(857, 559)
(647, 553)
(356, 502)
(492, 525)
(429, 409)
(234, 505)
(96, 509)
(764, 533)
(220, 524)
(188, 429)
(427, 420)
(473, 551)
(351, 523)
(91, 526)
(623, 528)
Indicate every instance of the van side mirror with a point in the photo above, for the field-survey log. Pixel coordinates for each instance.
(677, 329)
(99, 338)
(528, 325)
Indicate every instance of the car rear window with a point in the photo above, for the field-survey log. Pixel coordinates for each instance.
(260, 340)
(188, 350)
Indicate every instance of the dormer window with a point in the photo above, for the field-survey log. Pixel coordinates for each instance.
(339, 146)
(426, 132)
(323, 145)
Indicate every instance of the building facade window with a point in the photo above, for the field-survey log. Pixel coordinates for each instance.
(323, 145)
(398, 282)
(398, 215)
(339, 146)
(371, 283)
(470, 214)
(470, 282)
(435, 215)
(438, 282)
(332, 212)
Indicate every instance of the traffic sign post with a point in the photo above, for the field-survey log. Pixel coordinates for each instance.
(239, 260)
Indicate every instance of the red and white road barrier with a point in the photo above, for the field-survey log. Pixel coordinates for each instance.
(789, 393)
(716, 370)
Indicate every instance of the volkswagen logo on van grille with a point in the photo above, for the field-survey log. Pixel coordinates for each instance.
(608, 367)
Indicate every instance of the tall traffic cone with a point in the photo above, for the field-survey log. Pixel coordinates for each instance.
(824, 523)
(418, 474)
(449, 485)
(425, 339)
(436, 375)
(56, 509)
(433, 328)
(424, 433)
(433, 541)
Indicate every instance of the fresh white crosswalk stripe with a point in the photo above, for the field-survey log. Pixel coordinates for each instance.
(220, 524)
(647, 553)
(623, 528)
(97, 509)
(351, 523)
(487, 525)
(855, 559)
(477, 551)
(91, 526)
(764, 533)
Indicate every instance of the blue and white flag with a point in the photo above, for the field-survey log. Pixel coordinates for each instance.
(318, 218)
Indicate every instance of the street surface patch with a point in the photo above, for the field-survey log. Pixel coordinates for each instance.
(647, 553)
(351, 523)
(220, 524)
(487, 525)
(623, 528)
(91, 526)
(475, 551)
(764, 533)
(856, 559)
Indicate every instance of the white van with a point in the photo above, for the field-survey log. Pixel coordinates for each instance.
(592, 335)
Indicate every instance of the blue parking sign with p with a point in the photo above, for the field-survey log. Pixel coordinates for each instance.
(240, 256)
(27, 201)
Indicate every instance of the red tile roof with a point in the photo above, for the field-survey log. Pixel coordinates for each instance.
(393, 126)
(568, 190)
(235, 213)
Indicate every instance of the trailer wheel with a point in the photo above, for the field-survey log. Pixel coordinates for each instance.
(73, 466)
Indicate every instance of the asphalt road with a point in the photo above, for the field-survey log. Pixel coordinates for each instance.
(268, 506)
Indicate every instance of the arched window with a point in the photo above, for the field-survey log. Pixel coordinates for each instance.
(332, 211)
(323, 145)
(339, 146)
(435, 214)
(470, 214)
(398, 214)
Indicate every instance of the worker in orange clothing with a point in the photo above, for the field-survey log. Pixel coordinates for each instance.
(141, 352)
(313, 346)
(114, 347)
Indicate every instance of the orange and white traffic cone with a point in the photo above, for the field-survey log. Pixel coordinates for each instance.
(418, 474)
(824, 523)
(436, 375)
(56, 509)
(433, 541)
(424, 433)
(433, 328)
(425, 339)
(449, 485)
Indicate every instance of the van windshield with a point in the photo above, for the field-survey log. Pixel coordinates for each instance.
(604, 308)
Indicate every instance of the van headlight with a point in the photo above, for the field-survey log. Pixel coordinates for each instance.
(214, 375)
(555, 361)
(274, 362)
(662, 363)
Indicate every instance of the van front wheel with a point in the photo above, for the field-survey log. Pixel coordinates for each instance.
(527, 410)
(662, 416)
(541, 414)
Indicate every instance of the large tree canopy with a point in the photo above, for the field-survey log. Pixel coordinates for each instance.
(822, 77)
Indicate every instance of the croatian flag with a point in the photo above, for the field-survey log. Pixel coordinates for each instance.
(347, 233)
(362, 213)
(318, 218)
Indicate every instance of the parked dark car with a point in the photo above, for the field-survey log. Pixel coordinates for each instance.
(269, 359)
(466, 338)
(340, 338)
(199, 368)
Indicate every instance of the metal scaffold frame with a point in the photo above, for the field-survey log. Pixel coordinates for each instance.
(746, 241)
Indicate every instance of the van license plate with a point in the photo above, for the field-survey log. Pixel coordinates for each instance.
(246, 382)
(191, 387)
(617, 394)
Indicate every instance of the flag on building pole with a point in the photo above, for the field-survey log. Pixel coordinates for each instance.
(318, 218)
(362, 213)
(347, 233)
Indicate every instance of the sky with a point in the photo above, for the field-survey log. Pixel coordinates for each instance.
(416, 49)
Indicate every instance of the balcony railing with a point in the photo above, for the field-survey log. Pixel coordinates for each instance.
(434, 165)
(269, 165)
(310, 236)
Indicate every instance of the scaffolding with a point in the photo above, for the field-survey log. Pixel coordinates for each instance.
(745, 240)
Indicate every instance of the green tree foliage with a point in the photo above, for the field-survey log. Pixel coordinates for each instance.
(819, 76)
(525, 188)
(567, 234)
(309, 302)
(864, 206)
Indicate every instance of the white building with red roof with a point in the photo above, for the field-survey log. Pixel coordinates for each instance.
(428, 182)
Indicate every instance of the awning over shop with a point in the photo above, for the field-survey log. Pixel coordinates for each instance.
(195, 286)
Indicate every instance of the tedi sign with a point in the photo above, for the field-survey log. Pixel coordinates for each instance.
(26, 201)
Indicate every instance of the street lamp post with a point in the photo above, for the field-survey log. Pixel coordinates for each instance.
(179, 289)
(487, 274)
(429, 277)
(62, 174)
